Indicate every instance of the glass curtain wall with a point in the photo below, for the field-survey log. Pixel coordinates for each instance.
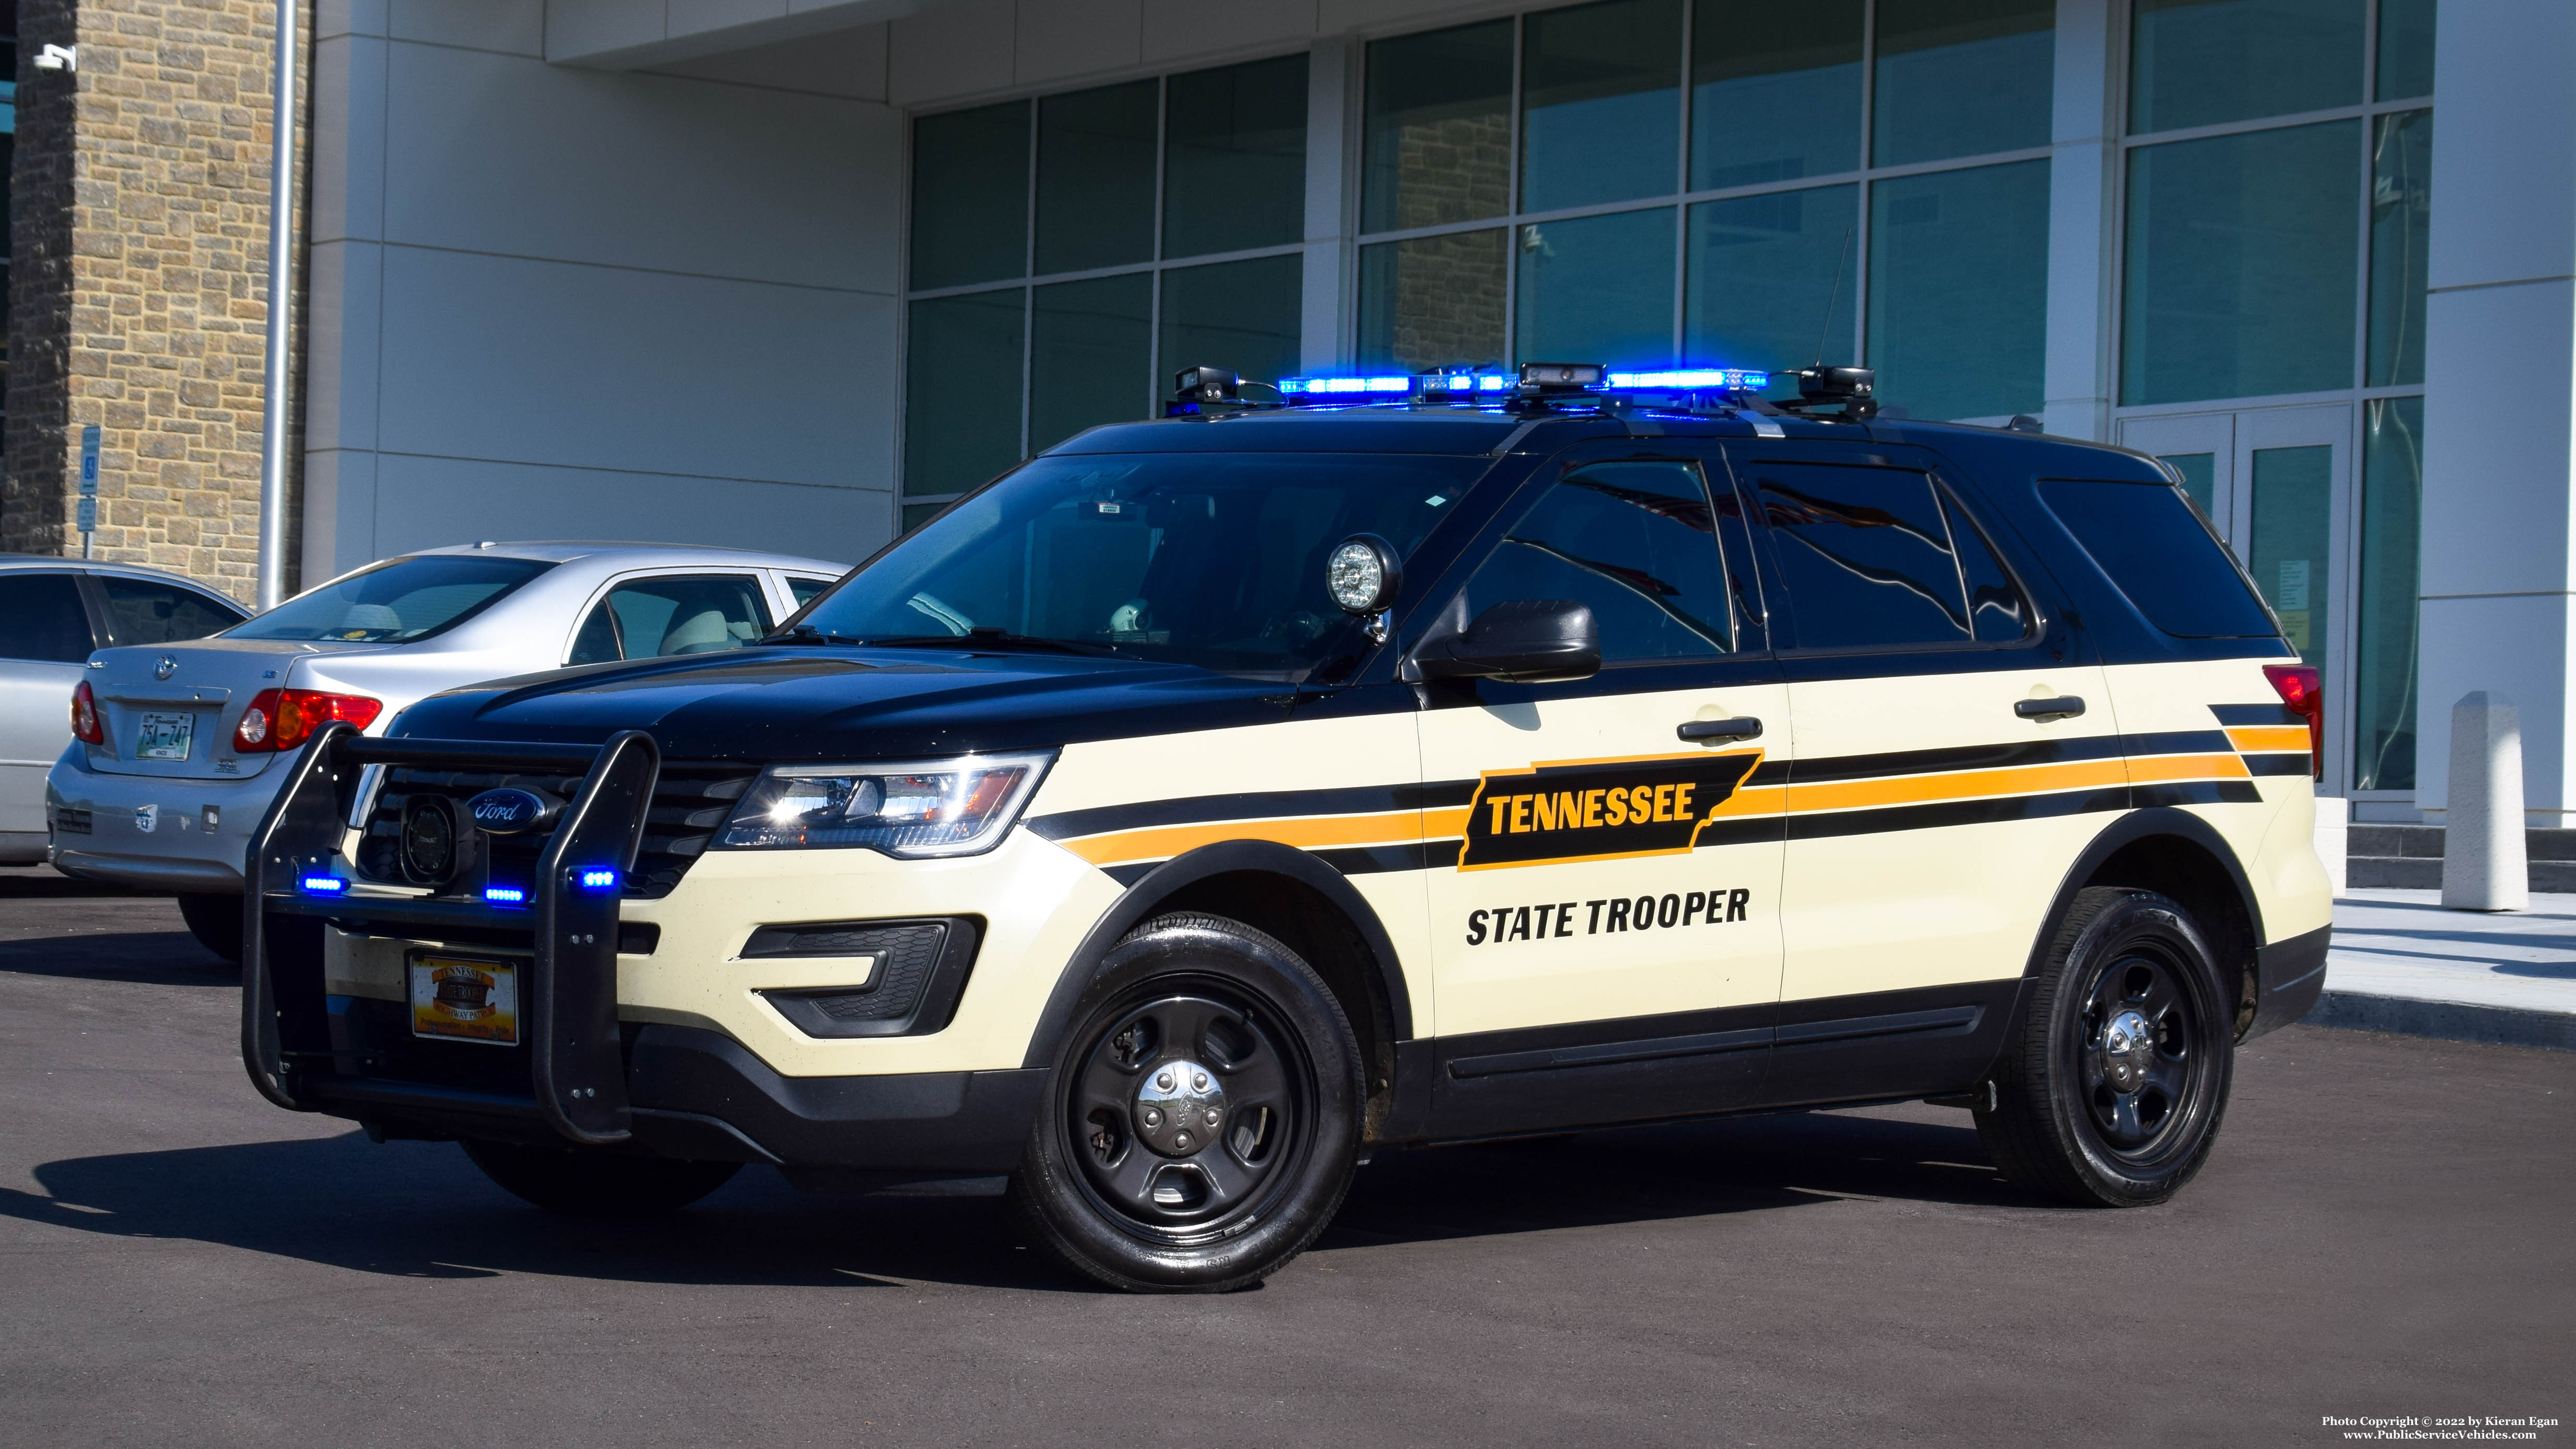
(1069, 251)
(2276, 209)
(1718, 182)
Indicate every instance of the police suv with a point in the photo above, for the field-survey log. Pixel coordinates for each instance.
(1210, 802)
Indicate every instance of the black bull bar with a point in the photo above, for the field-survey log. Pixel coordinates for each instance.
(568, 1010)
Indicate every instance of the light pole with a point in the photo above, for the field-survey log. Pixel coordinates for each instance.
(281, 299)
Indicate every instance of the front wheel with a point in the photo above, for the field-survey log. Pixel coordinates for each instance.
(1202, 1121)
(584, 1184)
(2110, 1092)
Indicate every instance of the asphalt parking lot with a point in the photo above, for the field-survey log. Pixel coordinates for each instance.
(2385, 1230)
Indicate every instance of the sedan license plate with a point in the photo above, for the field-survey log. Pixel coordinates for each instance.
(165, 736)
(464, 999)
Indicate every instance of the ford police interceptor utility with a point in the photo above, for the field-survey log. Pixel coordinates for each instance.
(1212, 801)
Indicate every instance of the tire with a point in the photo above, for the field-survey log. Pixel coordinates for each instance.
(216, 922)
(2110, 1091)
(1190, 1016)
(597, 1184)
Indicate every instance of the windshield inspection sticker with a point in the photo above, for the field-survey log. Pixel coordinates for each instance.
(1598, 809)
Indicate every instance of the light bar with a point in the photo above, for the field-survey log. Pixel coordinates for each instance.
(1691, 380)
(1335, 386)
(595, 878)
(505, 895)
(324, 885)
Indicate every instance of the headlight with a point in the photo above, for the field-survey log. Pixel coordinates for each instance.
(910, 809)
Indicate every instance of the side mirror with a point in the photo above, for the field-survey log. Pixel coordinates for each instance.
(1524, 641)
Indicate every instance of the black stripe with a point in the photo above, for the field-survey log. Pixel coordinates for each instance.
(2179, 742)
(1377, 859)
(1605, 1053)
(2301, 763)
(1129, 874)
(2257, 714)
(1956, 812)
(2200, 792)
(1957, 757)
(1253, 805)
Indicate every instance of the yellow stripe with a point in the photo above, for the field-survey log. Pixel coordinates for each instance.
(2257, 738)
(1306, 833)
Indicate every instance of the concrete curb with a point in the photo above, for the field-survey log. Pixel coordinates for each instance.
(2447, 1020)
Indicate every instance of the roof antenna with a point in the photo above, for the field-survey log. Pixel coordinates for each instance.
(1831, 298)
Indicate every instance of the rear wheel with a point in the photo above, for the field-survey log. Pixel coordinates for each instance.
(597, 1184)
(216, 922)
(2111, 1091)
(1202, 1122)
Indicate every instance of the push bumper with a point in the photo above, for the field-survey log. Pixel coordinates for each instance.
(2290, 974)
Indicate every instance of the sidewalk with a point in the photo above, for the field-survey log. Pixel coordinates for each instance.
(2402, 963)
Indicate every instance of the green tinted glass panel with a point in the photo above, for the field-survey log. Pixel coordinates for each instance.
(1958, 301)
(2401, 230)
(1600, 103)
(2203, 62)
(2405, 49)
(947, 447)
(2293, 489)
(1962, 77)
(1241, 316)
(1764, 271)
(1234, 158)
(2392, 512)
(1597, 290)
(2199, 478)
(1434, 301)
(917, 514)
(1091, 355)
(1775, 91)
(1436, 138)
(1096, 178)
(970, 196)
(2241, 261)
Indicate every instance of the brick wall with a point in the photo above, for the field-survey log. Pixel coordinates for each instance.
(137, 291)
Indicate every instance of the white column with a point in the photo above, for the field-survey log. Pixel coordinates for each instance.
(344, 287)
(2500, 394)
(1325, 343)
(2083, 168)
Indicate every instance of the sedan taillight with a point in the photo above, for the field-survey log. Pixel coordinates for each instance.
(85, 723)
(281, 719)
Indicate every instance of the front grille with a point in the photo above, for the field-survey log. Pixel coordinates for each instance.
(690, 803)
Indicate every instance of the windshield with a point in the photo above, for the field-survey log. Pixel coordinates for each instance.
(394, 602)
(1215, 560)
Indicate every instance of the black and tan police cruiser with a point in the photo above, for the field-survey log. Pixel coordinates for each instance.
(1210, 802)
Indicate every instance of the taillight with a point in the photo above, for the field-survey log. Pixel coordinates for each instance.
(2304, 691)
(85, 725)
(281, 719)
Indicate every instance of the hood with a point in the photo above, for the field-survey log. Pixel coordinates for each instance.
(786, 704)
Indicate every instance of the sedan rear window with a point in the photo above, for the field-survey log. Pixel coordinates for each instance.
(2147, 537)
(396, 601)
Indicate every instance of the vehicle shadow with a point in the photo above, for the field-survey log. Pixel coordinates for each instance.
(43, 882)
(151, 958)
(411, 1209)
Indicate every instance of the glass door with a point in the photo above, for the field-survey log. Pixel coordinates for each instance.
(2278, 483)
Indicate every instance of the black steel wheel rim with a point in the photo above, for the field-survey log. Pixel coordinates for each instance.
(2142, 1053)
(1187, 1112)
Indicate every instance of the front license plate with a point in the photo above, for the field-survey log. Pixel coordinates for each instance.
(165, 736)
(465, 999)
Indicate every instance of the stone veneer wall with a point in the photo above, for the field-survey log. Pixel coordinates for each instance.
(137, 291)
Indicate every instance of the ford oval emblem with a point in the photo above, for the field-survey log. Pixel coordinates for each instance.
(510, 811)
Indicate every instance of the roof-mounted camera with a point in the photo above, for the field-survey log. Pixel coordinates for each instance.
(1849, 388)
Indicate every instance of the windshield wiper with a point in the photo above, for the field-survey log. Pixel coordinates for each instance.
(808, 634)
(985, 637)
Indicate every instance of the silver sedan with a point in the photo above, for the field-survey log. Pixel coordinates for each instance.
(175, 749)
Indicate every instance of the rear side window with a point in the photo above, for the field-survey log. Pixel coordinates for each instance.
(2151, 543)
(1880, 558)
(697, 614)
(41, 618)
(150, 613)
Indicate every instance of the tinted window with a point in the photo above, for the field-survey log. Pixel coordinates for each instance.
(803, 589)
(395, 602)
(1637, 543)
(2146, 537)
(1877, 558)
(1210, 559)
(41, 618)
(650, 617)
(150, 613)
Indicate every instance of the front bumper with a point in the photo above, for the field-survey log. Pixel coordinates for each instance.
(179, 851)
(320, 1033)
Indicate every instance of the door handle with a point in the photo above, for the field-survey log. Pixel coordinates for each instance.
(1742, 727)
(2065, 706)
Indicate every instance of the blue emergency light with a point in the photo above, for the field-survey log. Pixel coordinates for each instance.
(505, 895)
(595, 878)
(1456, 384)
(324, 885)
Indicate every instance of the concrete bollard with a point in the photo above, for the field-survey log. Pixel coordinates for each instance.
(2483, 865)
